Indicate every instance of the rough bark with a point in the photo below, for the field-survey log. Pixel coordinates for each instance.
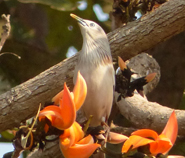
(145, 114)
(22, 102)
(144, 64)
(51, 150)
(151, 29)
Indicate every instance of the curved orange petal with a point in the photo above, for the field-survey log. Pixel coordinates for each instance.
(160, 146)
(171, 128)
(121, 63)
(150, 77)
(115, 138)
(134, 142)
(53, 108)
(46, 128)
(79, 91)
(80, 151)
(53, 114)
(71, 136)
(87, 140)
(57, 97)
(164, 138)
(67, 139)
(77, 129)
(146, 133)
(67, 107)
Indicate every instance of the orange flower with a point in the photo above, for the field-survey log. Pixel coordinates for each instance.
(79, 93)
(158, 143)
(63, 116)
(73, 145)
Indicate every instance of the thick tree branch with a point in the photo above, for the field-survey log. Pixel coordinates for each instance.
(145, 114)
(22, 102)
(153, 28)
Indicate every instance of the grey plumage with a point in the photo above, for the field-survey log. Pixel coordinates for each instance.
(95, 65)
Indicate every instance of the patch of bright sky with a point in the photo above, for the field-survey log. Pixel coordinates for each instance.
(6, 147)
(99, 13)
(138, 14)
(82, 5)
(71, 51)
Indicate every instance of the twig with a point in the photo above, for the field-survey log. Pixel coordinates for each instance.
(4, 53)
(6, 30)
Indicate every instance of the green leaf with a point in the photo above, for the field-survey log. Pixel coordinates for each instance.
(7, 135)
(62, 5)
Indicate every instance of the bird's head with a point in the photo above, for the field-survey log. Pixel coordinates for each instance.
(95, 42)
(89, 28)
(91, 32)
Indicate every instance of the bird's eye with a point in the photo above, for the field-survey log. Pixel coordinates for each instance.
(92, 24)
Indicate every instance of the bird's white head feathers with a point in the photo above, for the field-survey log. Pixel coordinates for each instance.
(94, 40)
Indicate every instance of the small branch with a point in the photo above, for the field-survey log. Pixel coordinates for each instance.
(4, 35)
(19, 57)
(6, 30)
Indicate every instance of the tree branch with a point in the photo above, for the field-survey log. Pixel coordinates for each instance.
(21, 102)
(145, 114)
(156, 26)
(6, 30)
(51, 150)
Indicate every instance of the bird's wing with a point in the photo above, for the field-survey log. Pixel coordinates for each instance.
(113, 76)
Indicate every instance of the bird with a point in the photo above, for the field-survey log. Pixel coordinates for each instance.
(95, 64)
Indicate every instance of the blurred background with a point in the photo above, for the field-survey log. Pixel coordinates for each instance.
(44, 34)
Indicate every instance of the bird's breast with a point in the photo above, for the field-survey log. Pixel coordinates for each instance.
(100, 82)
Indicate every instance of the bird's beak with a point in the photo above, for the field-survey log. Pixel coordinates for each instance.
(80, 20)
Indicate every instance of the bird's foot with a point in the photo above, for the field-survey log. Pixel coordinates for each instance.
(107, 131)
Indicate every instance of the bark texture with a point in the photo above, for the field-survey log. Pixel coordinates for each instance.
(21, 102)
(151, 29)
(51, 150)
(145, 114)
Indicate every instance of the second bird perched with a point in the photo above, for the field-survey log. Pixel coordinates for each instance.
(95, 65)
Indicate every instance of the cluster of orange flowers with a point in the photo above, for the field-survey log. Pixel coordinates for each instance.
(158, 144)
(75, 144)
